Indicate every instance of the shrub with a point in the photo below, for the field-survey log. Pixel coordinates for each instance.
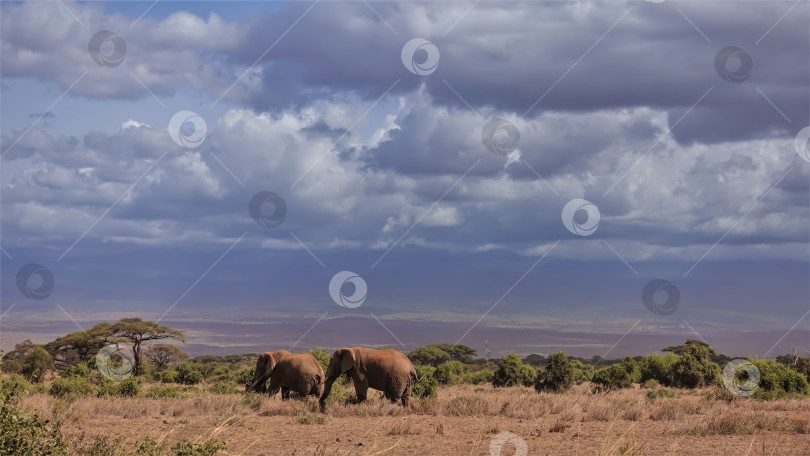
(70, 387)
(36, 363)
(311, 418)
(162, 392)
(320, 354)
(16, 382)
(167, 376)
(778, 381)
(79, 370)
(559, 374)
(450, 372)
(659, 368)
(582, 372)
(245, 376)
(695, 368)
(659, 393)
(208, 448)
(613, 377)
(479, 377)
(511, 371)
(189, 373)
(427, 384)
(22, 432)
(222, 387)
(129, 387)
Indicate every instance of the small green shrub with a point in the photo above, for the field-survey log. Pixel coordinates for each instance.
(23, 432)
(558, 375)
(695, 368)
(427, 384)
(511, 371)
(778, 381)
(651, 384)
(450, 372)
(479, 377)
(129, 387)
(223, 387)
(70, 388)
(659, 368)
(320, 354)
(162, 392)
(167, 376)
(659, 393)
(208, 448)
(311, 418)
(612, 377)
(245, 376)
(189, 373)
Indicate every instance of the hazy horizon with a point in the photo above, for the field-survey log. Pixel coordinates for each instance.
(604, 178)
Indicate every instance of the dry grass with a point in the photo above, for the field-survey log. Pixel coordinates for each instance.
(463, 419)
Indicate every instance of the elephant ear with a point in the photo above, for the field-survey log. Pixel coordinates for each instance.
(347, 359)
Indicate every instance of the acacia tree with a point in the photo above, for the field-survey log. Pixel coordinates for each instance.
(80, 346)
(136, 331)
(164, 354)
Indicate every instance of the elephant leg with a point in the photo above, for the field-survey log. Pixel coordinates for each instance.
(285, 393)
(275, 384)
(361, 390)
(406, 395)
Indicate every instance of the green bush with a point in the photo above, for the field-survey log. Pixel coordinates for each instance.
(658, 367)
(659, 393)
(129, 387)
(22, 432)
(189, 373)
(558, 375)
(167, 376)
(70, 387)
(478, 377)
(18, 383)
(245, 376)
(79, 370)
(222, 387)
(695, 368)
(450, 372)
(162, 392)
(582, 372)
(36, 364)
(320, 354)
(427, 384)
(779, 381)
(511, 371)
(208, 448)
(612, 377)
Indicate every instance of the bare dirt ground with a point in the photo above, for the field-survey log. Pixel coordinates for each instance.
(463, 420)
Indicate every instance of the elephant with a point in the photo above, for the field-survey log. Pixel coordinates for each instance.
(298, 372)
(387, 370)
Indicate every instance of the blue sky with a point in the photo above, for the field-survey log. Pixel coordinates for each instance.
(690, 166)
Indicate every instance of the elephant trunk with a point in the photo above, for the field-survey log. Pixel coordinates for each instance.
(327, 388)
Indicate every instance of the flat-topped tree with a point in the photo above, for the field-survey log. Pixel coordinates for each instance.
(137, 331)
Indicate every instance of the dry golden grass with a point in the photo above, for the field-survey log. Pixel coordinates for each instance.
(462, 420)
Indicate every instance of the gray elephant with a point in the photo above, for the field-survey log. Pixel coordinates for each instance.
(298, 372)
(388, 371)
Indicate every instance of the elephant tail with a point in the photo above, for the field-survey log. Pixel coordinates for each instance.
(415, 376)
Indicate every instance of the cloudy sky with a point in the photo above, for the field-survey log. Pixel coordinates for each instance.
(603, 178)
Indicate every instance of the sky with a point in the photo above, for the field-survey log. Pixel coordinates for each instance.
(603, 178)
